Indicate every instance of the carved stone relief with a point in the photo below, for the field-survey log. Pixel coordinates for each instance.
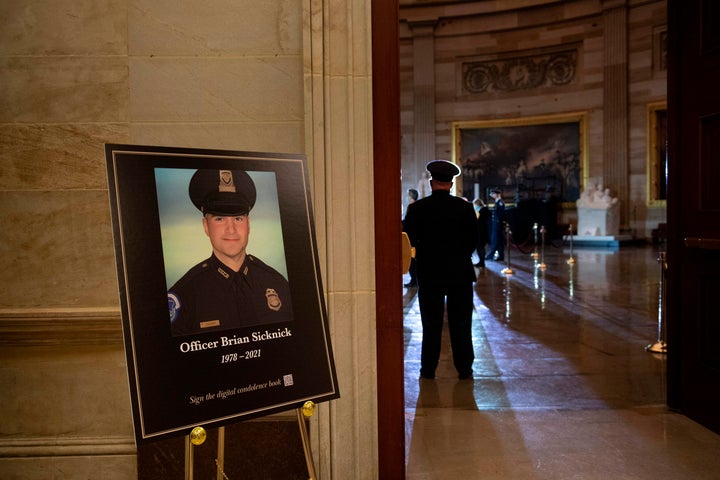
(520, 73)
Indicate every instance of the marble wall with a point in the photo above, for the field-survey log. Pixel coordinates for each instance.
(606, 51)
(222, 74)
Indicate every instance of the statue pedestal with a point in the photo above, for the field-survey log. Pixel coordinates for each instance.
(598, 221)
(601, 243)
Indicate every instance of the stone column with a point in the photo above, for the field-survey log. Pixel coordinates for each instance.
(423, 96)
(338, 141)
(615, 104)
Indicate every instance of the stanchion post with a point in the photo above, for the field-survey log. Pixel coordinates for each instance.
(571, 260)
(542, 265)
(535, 254)
(507, 270)
(660, 346)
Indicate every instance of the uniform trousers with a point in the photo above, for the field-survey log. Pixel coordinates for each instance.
(497, 242)
(459, 313)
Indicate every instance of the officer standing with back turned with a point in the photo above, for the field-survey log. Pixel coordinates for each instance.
(232, 288)
(443, 230)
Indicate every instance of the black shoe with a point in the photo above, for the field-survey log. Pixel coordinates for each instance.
(411, 285)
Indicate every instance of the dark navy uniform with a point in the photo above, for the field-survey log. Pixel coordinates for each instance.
(211, 296)
(497, 227)
(443, 230)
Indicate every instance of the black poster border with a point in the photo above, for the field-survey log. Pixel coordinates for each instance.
(214, 378)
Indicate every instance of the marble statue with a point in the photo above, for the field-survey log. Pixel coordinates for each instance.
(598, 212)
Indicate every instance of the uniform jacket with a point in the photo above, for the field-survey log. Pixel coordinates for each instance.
(211, 296)
(443, 230)
(498, 214)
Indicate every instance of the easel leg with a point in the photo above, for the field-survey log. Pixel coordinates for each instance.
(197, 437)
(306, 443)
(188, 458)
(220, 461)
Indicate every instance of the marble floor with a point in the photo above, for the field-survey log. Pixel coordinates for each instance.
(563, 387)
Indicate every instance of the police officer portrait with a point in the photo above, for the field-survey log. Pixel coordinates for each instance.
(221, 273)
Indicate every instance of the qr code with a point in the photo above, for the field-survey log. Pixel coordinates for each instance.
(288, 380)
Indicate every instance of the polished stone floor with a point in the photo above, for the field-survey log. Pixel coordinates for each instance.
(563, 387)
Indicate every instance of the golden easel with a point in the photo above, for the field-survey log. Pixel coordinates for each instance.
(198, 435)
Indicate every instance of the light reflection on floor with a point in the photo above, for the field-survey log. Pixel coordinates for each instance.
(562, 384)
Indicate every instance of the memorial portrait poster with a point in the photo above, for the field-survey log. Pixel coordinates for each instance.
(261, 344)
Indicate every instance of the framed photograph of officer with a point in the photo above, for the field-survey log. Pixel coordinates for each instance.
(221, 298)
(231, 287)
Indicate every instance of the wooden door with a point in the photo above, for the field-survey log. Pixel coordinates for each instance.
(693, 276)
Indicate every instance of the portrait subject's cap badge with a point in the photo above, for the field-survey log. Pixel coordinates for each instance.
(226, 181)
(222, 192)
(273, 299)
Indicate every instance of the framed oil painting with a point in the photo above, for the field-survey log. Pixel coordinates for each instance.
(526, 158)
(657, 157)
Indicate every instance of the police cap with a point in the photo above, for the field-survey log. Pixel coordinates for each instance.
(442, 170)
(222, 192)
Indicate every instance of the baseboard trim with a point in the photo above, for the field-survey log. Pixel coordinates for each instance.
(66, 446)
(60, 326)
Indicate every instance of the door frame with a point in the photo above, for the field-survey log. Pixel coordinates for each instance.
(388, 272)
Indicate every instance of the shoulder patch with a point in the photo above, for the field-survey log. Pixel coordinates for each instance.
(173, 306)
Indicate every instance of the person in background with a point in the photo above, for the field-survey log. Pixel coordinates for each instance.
(497, 226)
(412, 196)
(483, 223)
(443, 230)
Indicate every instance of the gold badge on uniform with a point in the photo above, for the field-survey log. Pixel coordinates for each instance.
(273, 299)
